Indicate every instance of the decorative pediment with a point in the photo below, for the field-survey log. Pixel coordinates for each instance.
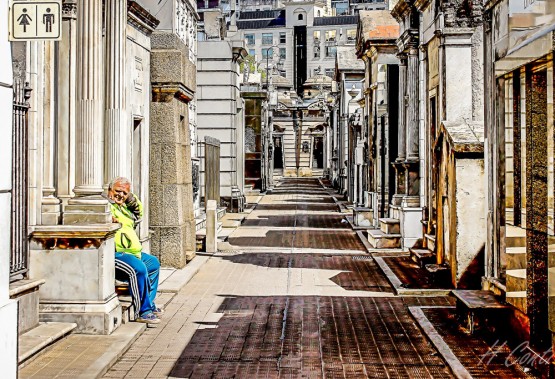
(278, 128)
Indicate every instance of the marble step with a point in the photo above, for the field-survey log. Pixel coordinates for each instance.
(517, 299)
(128, 310)
(516, 257)
(36, 340)
(390, 225)
(380, 240)
(430, 242)
(439, 275)
(422, 256)
(516, 280)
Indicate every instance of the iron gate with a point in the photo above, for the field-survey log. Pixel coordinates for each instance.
(212, 169)
(19, 257)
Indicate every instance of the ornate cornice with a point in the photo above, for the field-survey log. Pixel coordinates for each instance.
(69, 9)
(140, 18)
(166, 92)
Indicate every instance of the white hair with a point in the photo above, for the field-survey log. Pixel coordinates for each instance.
(119, 179)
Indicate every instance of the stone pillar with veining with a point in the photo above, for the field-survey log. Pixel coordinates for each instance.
(401, 149)
(115, 117)
(65, 136)
(50, 206)
(88, 206)
(412, 121)
(412, 161)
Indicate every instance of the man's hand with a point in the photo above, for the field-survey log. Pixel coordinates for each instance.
(133, 205)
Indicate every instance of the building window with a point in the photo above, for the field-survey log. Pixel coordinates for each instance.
(282, 37)
(283, 73)
(301, 17)
(329, 72)
(316, 37)
(282, 52)
(250, 39)
(267, 38)
(351, 34)
(252, 52)
(317, 51)
(330, 35)
(331, 51)
(267, 53)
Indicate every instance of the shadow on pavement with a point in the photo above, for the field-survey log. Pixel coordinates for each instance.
(359, 273)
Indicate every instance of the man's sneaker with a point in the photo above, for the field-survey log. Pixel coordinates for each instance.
(149, 318)
(158, 312)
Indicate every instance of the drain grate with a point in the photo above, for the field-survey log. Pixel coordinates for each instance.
(363, 258)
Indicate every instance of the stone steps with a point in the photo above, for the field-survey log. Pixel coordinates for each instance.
(379, 240)
(422, 256)
(363, 217)
(128, 310)
(390, 225)
(515, 281)
(430, 242)
(516, 257)
(36, 341)
(439, 275)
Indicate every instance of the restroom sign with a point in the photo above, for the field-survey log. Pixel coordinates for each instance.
(35, 20)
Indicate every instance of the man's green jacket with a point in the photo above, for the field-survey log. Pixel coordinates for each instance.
(127, 240)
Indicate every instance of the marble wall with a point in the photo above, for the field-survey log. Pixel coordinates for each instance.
(8, 308)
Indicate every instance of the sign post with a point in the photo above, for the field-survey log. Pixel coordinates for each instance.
(35, 20)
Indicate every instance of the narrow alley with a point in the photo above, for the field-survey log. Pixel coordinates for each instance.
(294, 294)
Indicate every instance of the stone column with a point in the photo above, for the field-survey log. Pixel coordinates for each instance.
(50, 207)
(65, 150)
(88, 206)
(401, 148)
(115, 116)
(412, 163)
(412, 105)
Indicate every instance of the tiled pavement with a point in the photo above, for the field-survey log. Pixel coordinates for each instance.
(294, 298)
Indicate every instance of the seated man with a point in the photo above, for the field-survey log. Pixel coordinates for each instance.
(132, 264)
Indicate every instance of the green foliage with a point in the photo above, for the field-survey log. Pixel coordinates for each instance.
(250, 61)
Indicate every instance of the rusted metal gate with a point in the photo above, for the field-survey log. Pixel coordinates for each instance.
(19, 246)
(212, 169)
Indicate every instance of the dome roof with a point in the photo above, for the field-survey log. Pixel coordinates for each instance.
(317, 80)
(280, 81)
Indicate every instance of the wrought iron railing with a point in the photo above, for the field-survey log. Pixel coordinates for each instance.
(19, 259)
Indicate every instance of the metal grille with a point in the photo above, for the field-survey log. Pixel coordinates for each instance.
(19, 248)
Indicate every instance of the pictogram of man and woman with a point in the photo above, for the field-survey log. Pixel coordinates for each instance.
(48, 19)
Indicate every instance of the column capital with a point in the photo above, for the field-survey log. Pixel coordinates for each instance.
(402, 59)
(69, 9)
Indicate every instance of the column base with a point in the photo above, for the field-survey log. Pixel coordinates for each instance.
(77, 263)
(99, 317)
(410, 201)
(397, 199)
(51, 211)
(412, 177)
(410, 226)
(87, 210)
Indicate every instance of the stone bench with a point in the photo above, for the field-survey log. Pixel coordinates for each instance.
(473, 304)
